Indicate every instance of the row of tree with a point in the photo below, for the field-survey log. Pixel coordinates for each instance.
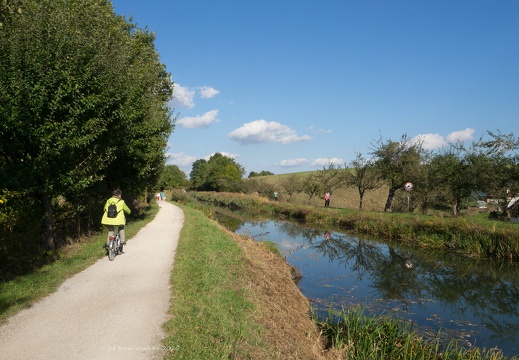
(83, 110)
(445, 177)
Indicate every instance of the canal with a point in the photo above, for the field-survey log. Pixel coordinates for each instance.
(472, 300)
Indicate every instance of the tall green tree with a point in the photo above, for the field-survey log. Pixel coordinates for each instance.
(172, 178)
(219, 173)
(198, 174)
(223, 173)
(72, 75)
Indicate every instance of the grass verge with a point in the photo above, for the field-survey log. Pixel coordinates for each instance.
(233, 298)
(21, 292)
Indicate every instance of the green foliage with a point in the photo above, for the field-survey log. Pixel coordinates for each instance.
(261, 173)
(396, 163)
(83, 109)
(172, 178)
(219, 173)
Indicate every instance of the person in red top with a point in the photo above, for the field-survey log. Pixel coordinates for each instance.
(327, 199)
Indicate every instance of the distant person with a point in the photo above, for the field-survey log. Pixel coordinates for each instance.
(327, 197)
(116, 217)
(276, 195)
(162, 195)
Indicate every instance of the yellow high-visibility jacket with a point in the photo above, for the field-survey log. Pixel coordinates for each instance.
(121, 209)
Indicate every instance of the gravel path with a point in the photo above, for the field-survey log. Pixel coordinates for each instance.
(112, 310)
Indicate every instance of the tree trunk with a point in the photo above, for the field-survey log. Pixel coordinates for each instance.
(48, 231)
(361, 196)
(389, 199)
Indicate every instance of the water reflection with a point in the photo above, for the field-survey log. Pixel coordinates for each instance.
(475, 301)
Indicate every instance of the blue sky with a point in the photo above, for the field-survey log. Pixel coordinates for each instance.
(292, 85)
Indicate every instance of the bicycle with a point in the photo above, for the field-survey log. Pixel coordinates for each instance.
(115, 245)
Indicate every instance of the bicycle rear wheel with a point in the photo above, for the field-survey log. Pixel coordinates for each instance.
(111, 250)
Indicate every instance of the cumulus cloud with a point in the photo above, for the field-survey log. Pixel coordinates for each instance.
(460, 136)
(266, 131)
(208, 92)
(294, 162)
(430, 141)
(180, 159)
(327, 161)
(199, 121)
(183, 97)
(436, 141)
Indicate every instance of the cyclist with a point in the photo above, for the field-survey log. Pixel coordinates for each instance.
(115, 218)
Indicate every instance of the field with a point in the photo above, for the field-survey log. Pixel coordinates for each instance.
(347, 198)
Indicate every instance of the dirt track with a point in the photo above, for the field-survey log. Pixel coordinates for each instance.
(112, 310)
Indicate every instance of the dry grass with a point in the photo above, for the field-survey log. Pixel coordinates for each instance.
(347, 198)
(280, 308)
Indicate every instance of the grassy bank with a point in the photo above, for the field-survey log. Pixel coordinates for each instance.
(234, 298)
(469, 235)
(24, 290)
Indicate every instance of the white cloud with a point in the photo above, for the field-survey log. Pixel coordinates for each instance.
(327, 161)
(430, 141)
(180, 159)
(183, 97)
(436, 141)
(199, 121)
(263, 131)
(293, 162)
(208, 92)
(460, 136)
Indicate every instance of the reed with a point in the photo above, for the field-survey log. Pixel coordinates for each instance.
(366, 337)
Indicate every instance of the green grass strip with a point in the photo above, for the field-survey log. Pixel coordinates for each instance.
(209, 308)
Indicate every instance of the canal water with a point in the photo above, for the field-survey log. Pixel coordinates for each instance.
(473, 301)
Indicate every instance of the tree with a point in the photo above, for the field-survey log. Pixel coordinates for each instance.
(291, 184)
(364, 176)
(198, 174)
(83, 104)
(311, 185)
(460, 172)
(331, 178)
(262, 173)
(172, 178)
(219, 173)
(396, 162)
(502, 178)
